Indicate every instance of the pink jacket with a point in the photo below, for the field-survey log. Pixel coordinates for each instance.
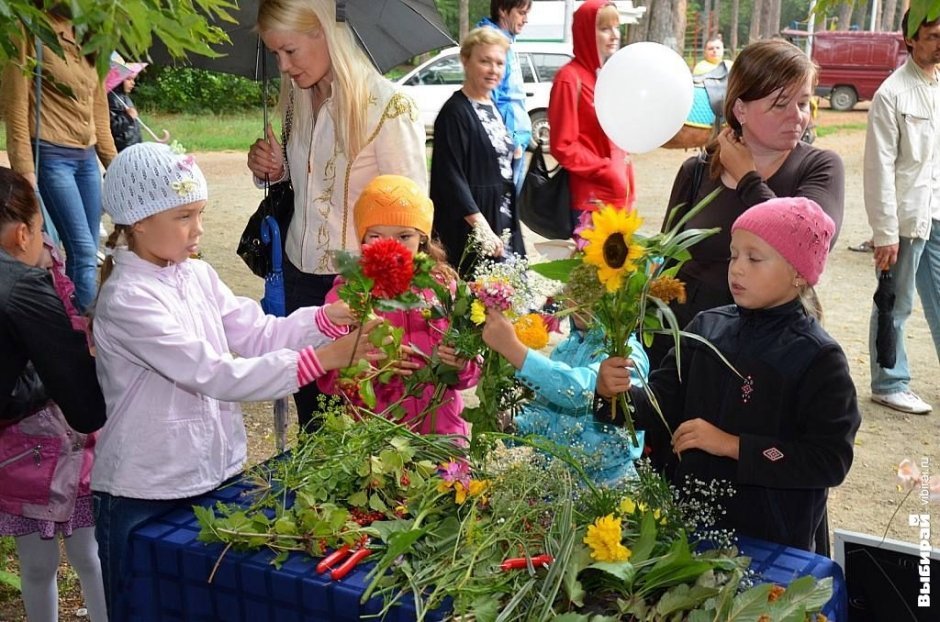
(426, 336)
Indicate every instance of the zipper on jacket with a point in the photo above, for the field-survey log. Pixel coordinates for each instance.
(36, 450)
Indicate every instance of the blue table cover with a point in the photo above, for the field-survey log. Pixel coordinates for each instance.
(170, 569)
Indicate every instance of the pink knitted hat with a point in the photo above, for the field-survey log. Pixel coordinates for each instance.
(797, 228)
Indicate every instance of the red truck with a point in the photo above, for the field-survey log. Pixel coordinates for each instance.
(852, 64)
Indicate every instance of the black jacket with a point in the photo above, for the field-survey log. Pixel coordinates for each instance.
(124, 129)
(35, 327)
(794, 408)
(465, 179)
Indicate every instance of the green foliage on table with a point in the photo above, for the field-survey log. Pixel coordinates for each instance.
(441, 524)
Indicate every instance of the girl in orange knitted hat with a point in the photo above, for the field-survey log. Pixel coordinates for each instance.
(395, 207)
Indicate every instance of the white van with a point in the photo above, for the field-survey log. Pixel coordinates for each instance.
(434, 81)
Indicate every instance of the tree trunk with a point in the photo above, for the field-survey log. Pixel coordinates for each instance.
(845, 16)
(770, 19)
(861, 15)
(887, 15)
(756, 11)
(463, 15)
(638, 32)
(716, 17)
(735, 14)
(666, 23)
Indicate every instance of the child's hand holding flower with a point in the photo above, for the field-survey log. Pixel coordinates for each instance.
(614, 376)
(351, 348)
(700, 434)
(448, 356)
(500, 335)
(408, 361)
(340, 314)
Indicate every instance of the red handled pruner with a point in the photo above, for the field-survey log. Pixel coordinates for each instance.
(516, 563)
(341, 561)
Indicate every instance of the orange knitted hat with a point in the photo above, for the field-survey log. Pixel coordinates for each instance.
(393, 200)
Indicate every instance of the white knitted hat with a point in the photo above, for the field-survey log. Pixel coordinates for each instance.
(149, 178)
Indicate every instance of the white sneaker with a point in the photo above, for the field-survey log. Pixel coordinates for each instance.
(903, 401)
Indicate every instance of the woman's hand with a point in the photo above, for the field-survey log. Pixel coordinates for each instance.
(700, 434)
(339, 313)
(614, 377)
(491, 245)
(349, 349)
(266, 157)
(448, 356)
(735, 157)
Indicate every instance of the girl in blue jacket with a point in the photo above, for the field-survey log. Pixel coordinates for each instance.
(563, 384)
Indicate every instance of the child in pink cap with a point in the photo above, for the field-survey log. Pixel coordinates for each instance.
(779, 426)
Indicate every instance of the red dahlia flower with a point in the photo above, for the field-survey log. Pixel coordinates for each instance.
(390, 266)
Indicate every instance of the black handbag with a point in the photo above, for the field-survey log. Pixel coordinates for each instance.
(279, 203)
(545, 201)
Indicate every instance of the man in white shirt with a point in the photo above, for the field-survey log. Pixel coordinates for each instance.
(902, 198)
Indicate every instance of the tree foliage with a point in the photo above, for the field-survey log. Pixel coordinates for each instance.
(921, 10)
(129, 26)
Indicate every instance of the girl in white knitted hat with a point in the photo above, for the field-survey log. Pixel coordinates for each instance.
(165, 331)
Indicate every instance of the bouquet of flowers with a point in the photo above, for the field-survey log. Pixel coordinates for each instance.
(385, 277)
(625, 281)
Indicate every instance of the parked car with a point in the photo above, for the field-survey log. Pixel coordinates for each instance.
(431, 83)
(853, 64)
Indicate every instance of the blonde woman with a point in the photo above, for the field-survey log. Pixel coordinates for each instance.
(349, 125)
(471, 168)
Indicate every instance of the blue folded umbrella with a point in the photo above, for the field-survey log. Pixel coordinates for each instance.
(273, 302)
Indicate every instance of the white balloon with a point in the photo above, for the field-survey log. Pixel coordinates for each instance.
(643, 96)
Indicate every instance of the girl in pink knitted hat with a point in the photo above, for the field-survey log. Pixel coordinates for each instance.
(779, 422)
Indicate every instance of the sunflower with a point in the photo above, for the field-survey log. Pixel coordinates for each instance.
(609, 245)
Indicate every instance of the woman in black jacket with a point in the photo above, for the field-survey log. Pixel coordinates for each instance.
(471, 166)
(780, 425)
(34, 325)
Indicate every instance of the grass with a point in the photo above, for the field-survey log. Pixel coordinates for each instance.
(202, 132)
(236, 132)
(826, 130)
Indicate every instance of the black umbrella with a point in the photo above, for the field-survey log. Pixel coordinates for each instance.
(390, 32)
(886, 339)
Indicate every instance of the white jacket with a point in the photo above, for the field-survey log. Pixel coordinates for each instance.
(326, 184)
(902, 156)
(164, 338)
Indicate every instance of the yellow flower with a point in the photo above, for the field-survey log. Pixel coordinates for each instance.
(667, 289)
(477, 486)
(627, 506)
(604, 539)
(477, 312)
(532, 331)
(609, 244)
(460, 493)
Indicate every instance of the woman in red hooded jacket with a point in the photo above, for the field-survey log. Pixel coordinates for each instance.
(600, 172)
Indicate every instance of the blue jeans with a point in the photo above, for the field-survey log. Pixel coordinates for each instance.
(115, 519)
(917, 268)
(71, 191)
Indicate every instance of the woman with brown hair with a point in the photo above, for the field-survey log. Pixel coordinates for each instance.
(759, 156)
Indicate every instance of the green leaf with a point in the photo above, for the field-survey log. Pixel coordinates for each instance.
(683, 598)
(367, 394)
(751, 604)
(557, 270)
(376, 503)
(624, 571)
(643, 547)
(358, 499)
